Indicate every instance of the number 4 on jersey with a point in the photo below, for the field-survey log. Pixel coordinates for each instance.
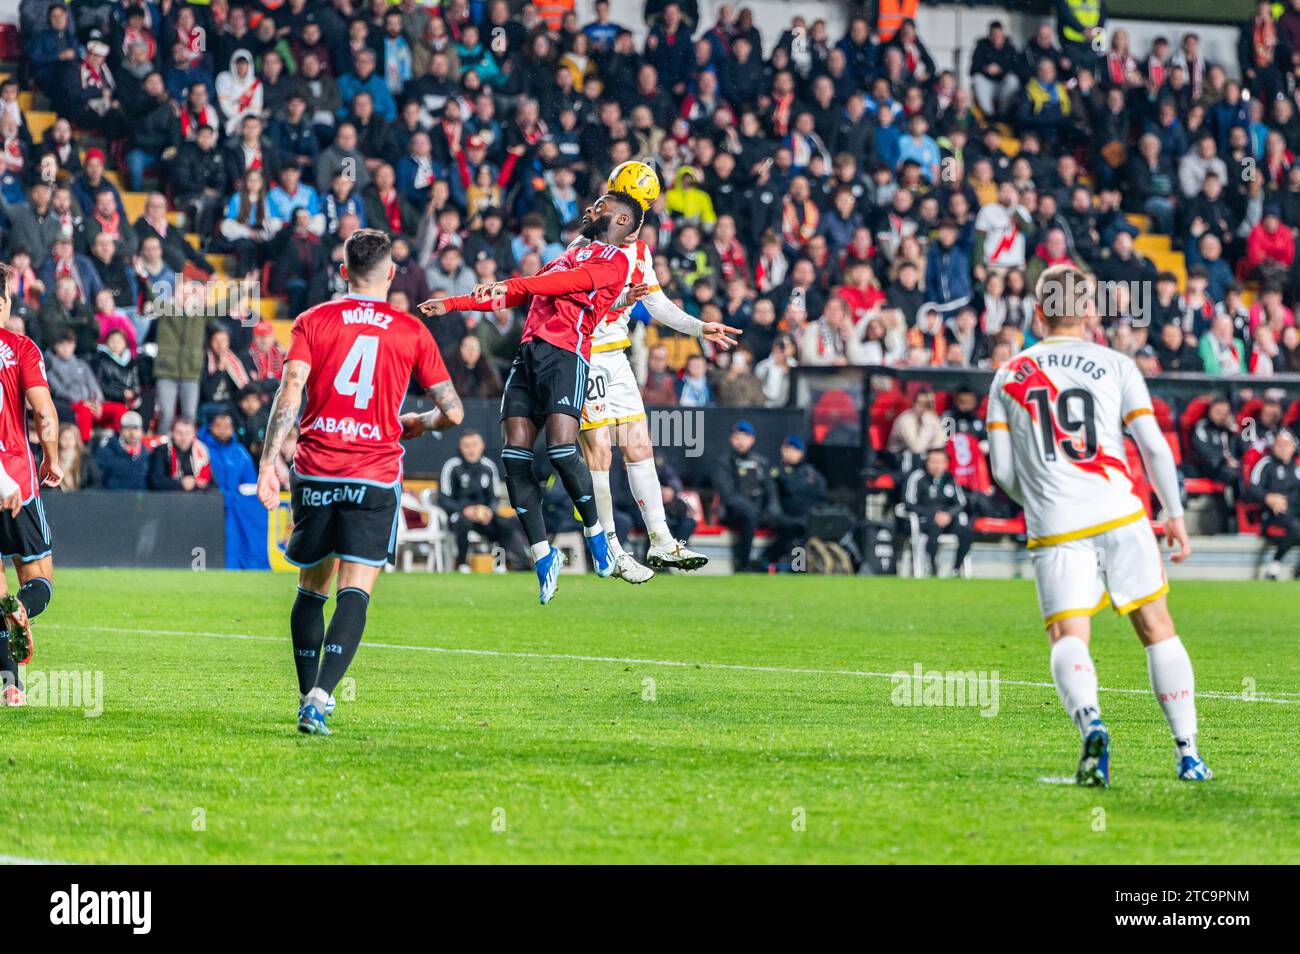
(356, 376)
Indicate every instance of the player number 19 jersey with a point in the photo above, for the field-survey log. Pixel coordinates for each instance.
(1065, 403)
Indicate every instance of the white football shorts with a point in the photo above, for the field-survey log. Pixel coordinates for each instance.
(1078, 577)
(613, 396)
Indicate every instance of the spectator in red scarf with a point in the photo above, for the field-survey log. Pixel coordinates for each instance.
(728, 251)
(224, 375)
(90, 94)
(1053, 250)
(66, 263)
(799, 216)
(266, 357)
(387, 208)
(106, 218)
(181, 462)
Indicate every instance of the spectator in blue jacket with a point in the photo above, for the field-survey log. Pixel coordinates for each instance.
(233, 468)
(54, 50)
(670, 50)
(232, 465)
(122, 460)
(840, 221)
(888, 138)
(185, 73)
(365, 77)
(947, 269)
(919, 147)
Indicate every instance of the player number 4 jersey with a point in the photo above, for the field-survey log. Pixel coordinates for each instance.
(362, 355)
(1065, 403)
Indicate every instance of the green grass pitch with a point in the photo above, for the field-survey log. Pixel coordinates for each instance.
(688, 720)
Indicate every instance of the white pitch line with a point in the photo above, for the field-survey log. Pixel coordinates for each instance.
(632, 660)
(20, 860)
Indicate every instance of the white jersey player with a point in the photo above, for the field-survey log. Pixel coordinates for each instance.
(613, 402)
(1056, 418)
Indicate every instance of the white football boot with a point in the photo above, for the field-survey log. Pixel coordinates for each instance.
(625, 565)
(674, 555)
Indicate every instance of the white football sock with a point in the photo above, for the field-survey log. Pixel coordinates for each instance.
(1076, 681)
(1174, 684)
(605, 506)
(539, 550)
(643, 477)
(317, 697)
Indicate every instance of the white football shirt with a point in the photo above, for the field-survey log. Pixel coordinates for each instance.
(1065, 403)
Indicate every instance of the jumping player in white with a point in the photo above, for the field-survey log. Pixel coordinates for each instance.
(613, 404)
(1056, 418)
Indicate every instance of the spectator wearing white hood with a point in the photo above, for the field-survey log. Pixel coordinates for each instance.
(239, 91)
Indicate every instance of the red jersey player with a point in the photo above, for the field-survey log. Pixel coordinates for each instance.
(353, 357)
(547, 384)
(24, 532)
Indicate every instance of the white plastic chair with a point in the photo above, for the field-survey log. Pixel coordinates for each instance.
(916, 546)
(430, 535)
(444, 549)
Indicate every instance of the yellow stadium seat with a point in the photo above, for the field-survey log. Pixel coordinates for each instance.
(38, 121)
(1149, 244)
(283, 328)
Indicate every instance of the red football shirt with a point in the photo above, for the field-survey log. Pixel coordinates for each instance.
(567, 321)
(362, 354)
(21, 367)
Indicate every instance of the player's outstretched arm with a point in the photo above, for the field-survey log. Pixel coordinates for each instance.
(483, 298)
(47, 432)
(1163, 474)
(447, 412)
(663, 310)
(284, 417)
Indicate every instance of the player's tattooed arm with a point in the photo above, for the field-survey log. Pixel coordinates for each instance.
(47, 432)
(284, 417)
(447, 412)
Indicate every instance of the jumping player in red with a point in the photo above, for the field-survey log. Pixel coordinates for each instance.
(24, 532)
(353, 357)
(548, 379)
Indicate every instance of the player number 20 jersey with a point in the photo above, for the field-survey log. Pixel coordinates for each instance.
(1065, 403)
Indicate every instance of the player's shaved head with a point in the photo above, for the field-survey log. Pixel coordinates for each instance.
(368, 255)
(1065, 296)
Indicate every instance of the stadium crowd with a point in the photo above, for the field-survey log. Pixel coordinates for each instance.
(842, 199)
